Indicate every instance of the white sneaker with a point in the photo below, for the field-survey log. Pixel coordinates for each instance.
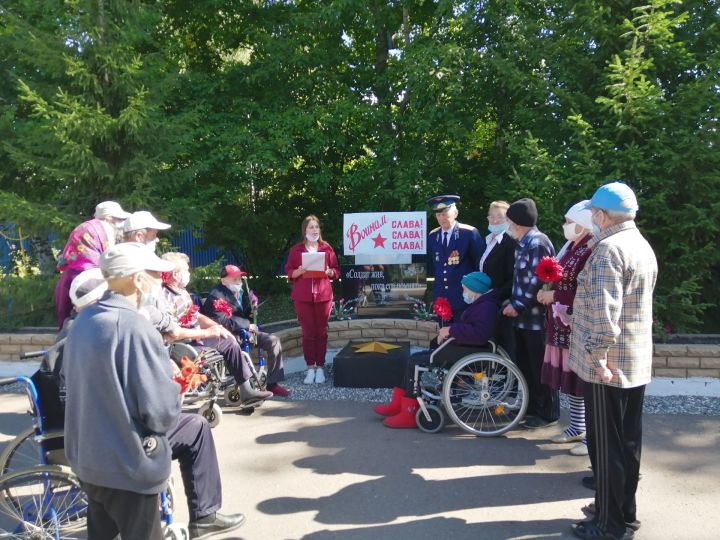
(319, 376)
(580, 449)
(310, 377)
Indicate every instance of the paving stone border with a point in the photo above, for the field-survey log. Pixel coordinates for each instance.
(669, 359)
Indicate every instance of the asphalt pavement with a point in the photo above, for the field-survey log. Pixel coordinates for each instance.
(318, 470)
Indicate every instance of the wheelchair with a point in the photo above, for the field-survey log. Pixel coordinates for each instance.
(40, 496)
(219, 382)
(483, 391)
(259, 375)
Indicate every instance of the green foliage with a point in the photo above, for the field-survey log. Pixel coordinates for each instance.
(243, 117)
(26, 301)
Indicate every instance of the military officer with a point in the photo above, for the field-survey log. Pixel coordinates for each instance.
(454, 250)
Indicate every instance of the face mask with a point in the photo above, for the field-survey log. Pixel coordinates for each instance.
(152, 244)
(236, 288)
(569, 231)
(149, 291)
(184, 279)
(499, 228)
(468, 298)
(312, 237)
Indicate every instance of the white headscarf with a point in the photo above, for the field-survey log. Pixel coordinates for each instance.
(579, 213)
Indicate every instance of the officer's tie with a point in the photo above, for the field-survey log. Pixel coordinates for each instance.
(445, 239)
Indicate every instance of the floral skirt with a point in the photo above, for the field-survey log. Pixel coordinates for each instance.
(556, 374)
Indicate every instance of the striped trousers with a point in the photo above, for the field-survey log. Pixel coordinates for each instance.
(614, 437)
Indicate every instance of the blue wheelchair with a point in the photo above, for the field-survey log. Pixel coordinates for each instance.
(40, 496)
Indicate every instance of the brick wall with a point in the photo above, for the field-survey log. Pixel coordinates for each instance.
(11, 345)
(676, 361)
(686, 361)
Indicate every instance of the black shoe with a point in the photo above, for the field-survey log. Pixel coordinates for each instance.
(589, 482)
(538, 422)
(590, 510)
(215, 524)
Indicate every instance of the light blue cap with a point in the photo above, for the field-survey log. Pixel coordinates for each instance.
(615, 197)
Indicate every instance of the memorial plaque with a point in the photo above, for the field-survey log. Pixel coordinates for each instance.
(383, 290)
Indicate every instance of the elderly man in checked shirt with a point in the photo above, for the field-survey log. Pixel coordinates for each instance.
(611, 350)
(528, 314)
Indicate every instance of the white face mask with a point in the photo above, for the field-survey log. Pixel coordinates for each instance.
(152, 244)
(312, 237)
(596, 228)
(570, 233)
(184, 279)
(235, 287)
(468, 298)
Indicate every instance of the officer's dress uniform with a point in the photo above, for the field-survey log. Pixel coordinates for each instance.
(465, 247)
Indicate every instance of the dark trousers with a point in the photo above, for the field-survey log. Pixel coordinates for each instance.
(272, 346)
(313, 318)
(193, 446)
(112, 511)
(238, 364)
(530, 352)
(614, 437)
(449, 354)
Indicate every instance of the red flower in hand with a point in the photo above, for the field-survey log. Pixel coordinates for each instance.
(549, 270)
(166, 277)
(189, 376)
(188, 319)
(221, 306)
(441, 308)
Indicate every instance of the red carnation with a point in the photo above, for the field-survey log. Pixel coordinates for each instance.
(549, 271)
(221, 306)
(189, 317)
(441, 308)
(166, 277)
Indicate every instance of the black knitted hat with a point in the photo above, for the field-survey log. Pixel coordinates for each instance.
(523, 212)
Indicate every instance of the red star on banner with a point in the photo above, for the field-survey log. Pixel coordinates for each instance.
(379, 241)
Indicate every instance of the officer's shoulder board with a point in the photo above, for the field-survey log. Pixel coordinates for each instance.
(466, 227)
(436, 229)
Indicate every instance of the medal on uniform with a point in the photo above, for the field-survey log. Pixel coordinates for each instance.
(454, 257)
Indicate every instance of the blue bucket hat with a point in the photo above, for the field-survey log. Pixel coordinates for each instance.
(616, 197)
(477, 282)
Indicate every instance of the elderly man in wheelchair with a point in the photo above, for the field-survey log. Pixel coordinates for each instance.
(464, 375)
(233, 305)
(206, 333)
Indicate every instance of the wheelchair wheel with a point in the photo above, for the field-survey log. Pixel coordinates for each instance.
(232, 394)
(212, 413)
(175, 531)
(436, 422)
(20, 453)
(45, 501)
(485, 394)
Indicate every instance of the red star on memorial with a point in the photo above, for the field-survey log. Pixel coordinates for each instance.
(379, 241)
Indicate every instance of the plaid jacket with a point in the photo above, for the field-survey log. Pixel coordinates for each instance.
(612, 312)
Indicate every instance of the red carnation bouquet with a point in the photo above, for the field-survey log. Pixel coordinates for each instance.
(189, 376)
(549, 271)
(221, 306)
(188, 319)
(441, 308)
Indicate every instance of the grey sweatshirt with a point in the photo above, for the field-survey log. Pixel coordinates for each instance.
(119, 393)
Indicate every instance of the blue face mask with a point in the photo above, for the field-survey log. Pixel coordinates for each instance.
(468, 299)
(499, 228)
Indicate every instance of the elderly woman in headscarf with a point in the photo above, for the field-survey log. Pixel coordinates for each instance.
(555, 371)
(83, 249)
